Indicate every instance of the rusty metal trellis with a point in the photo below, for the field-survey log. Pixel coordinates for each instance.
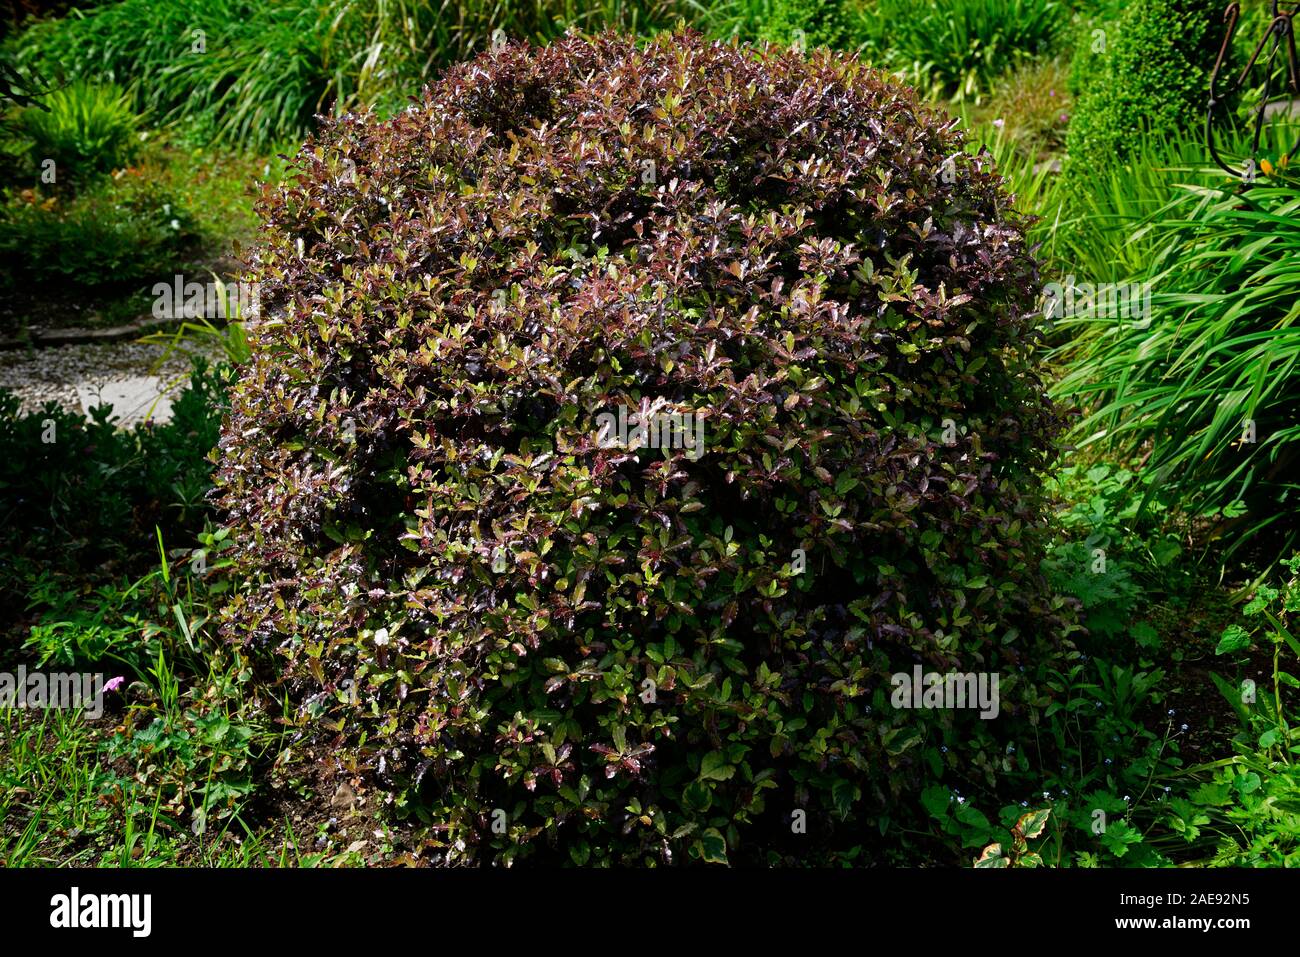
(1281, 30)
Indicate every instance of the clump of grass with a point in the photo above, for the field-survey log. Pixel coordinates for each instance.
(84, 128)
(957, 49)
(1033, 103)
(1104, 233)
(256, 72)
(1209, 387)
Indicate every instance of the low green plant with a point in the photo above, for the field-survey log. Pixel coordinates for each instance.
(1244, 811)
(85, 128)
(166, 774)
(116, 234)
(77, 492)
(1118, 545)
(1096, 806)
(1016, 851)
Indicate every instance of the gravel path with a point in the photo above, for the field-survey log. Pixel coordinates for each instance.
(123, 374)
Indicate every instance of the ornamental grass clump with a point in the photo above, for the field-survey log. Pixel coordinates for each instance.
(622, 421)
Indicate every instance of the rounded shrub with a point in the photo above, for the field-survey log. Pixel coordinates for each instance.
(621, 421)
(1147, 72)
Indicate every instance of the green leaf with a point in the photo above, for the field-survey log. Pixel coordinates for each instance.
(844, 793)
(971, 816)
(1234, 639)
(697, 796)
(991, 856)
(1119, 837)
(712, 846)
(1145, 635)
(1032, 824)
(714, 767)
(936, 800)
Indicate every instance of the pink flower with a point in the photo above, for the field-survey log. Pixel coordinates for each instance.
(999, 122)
(112, 684)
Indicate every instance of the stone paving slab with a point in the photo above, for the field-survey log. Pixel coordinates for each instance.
(134, 399)
(126, 374)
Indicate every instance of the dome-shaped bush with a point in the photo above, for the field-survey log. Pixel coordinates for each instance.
(545, 640)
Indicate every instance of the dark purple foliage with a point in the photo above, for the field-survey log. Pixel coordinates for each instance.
(481, 604)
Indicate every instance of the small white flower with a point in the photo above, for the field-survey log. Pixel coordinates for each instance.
(381, 636)
(175, 224)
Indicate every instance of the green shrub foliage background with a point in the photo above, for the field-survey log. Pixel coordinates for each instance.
(1152, 69)
(472, 598)
(813, 23)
